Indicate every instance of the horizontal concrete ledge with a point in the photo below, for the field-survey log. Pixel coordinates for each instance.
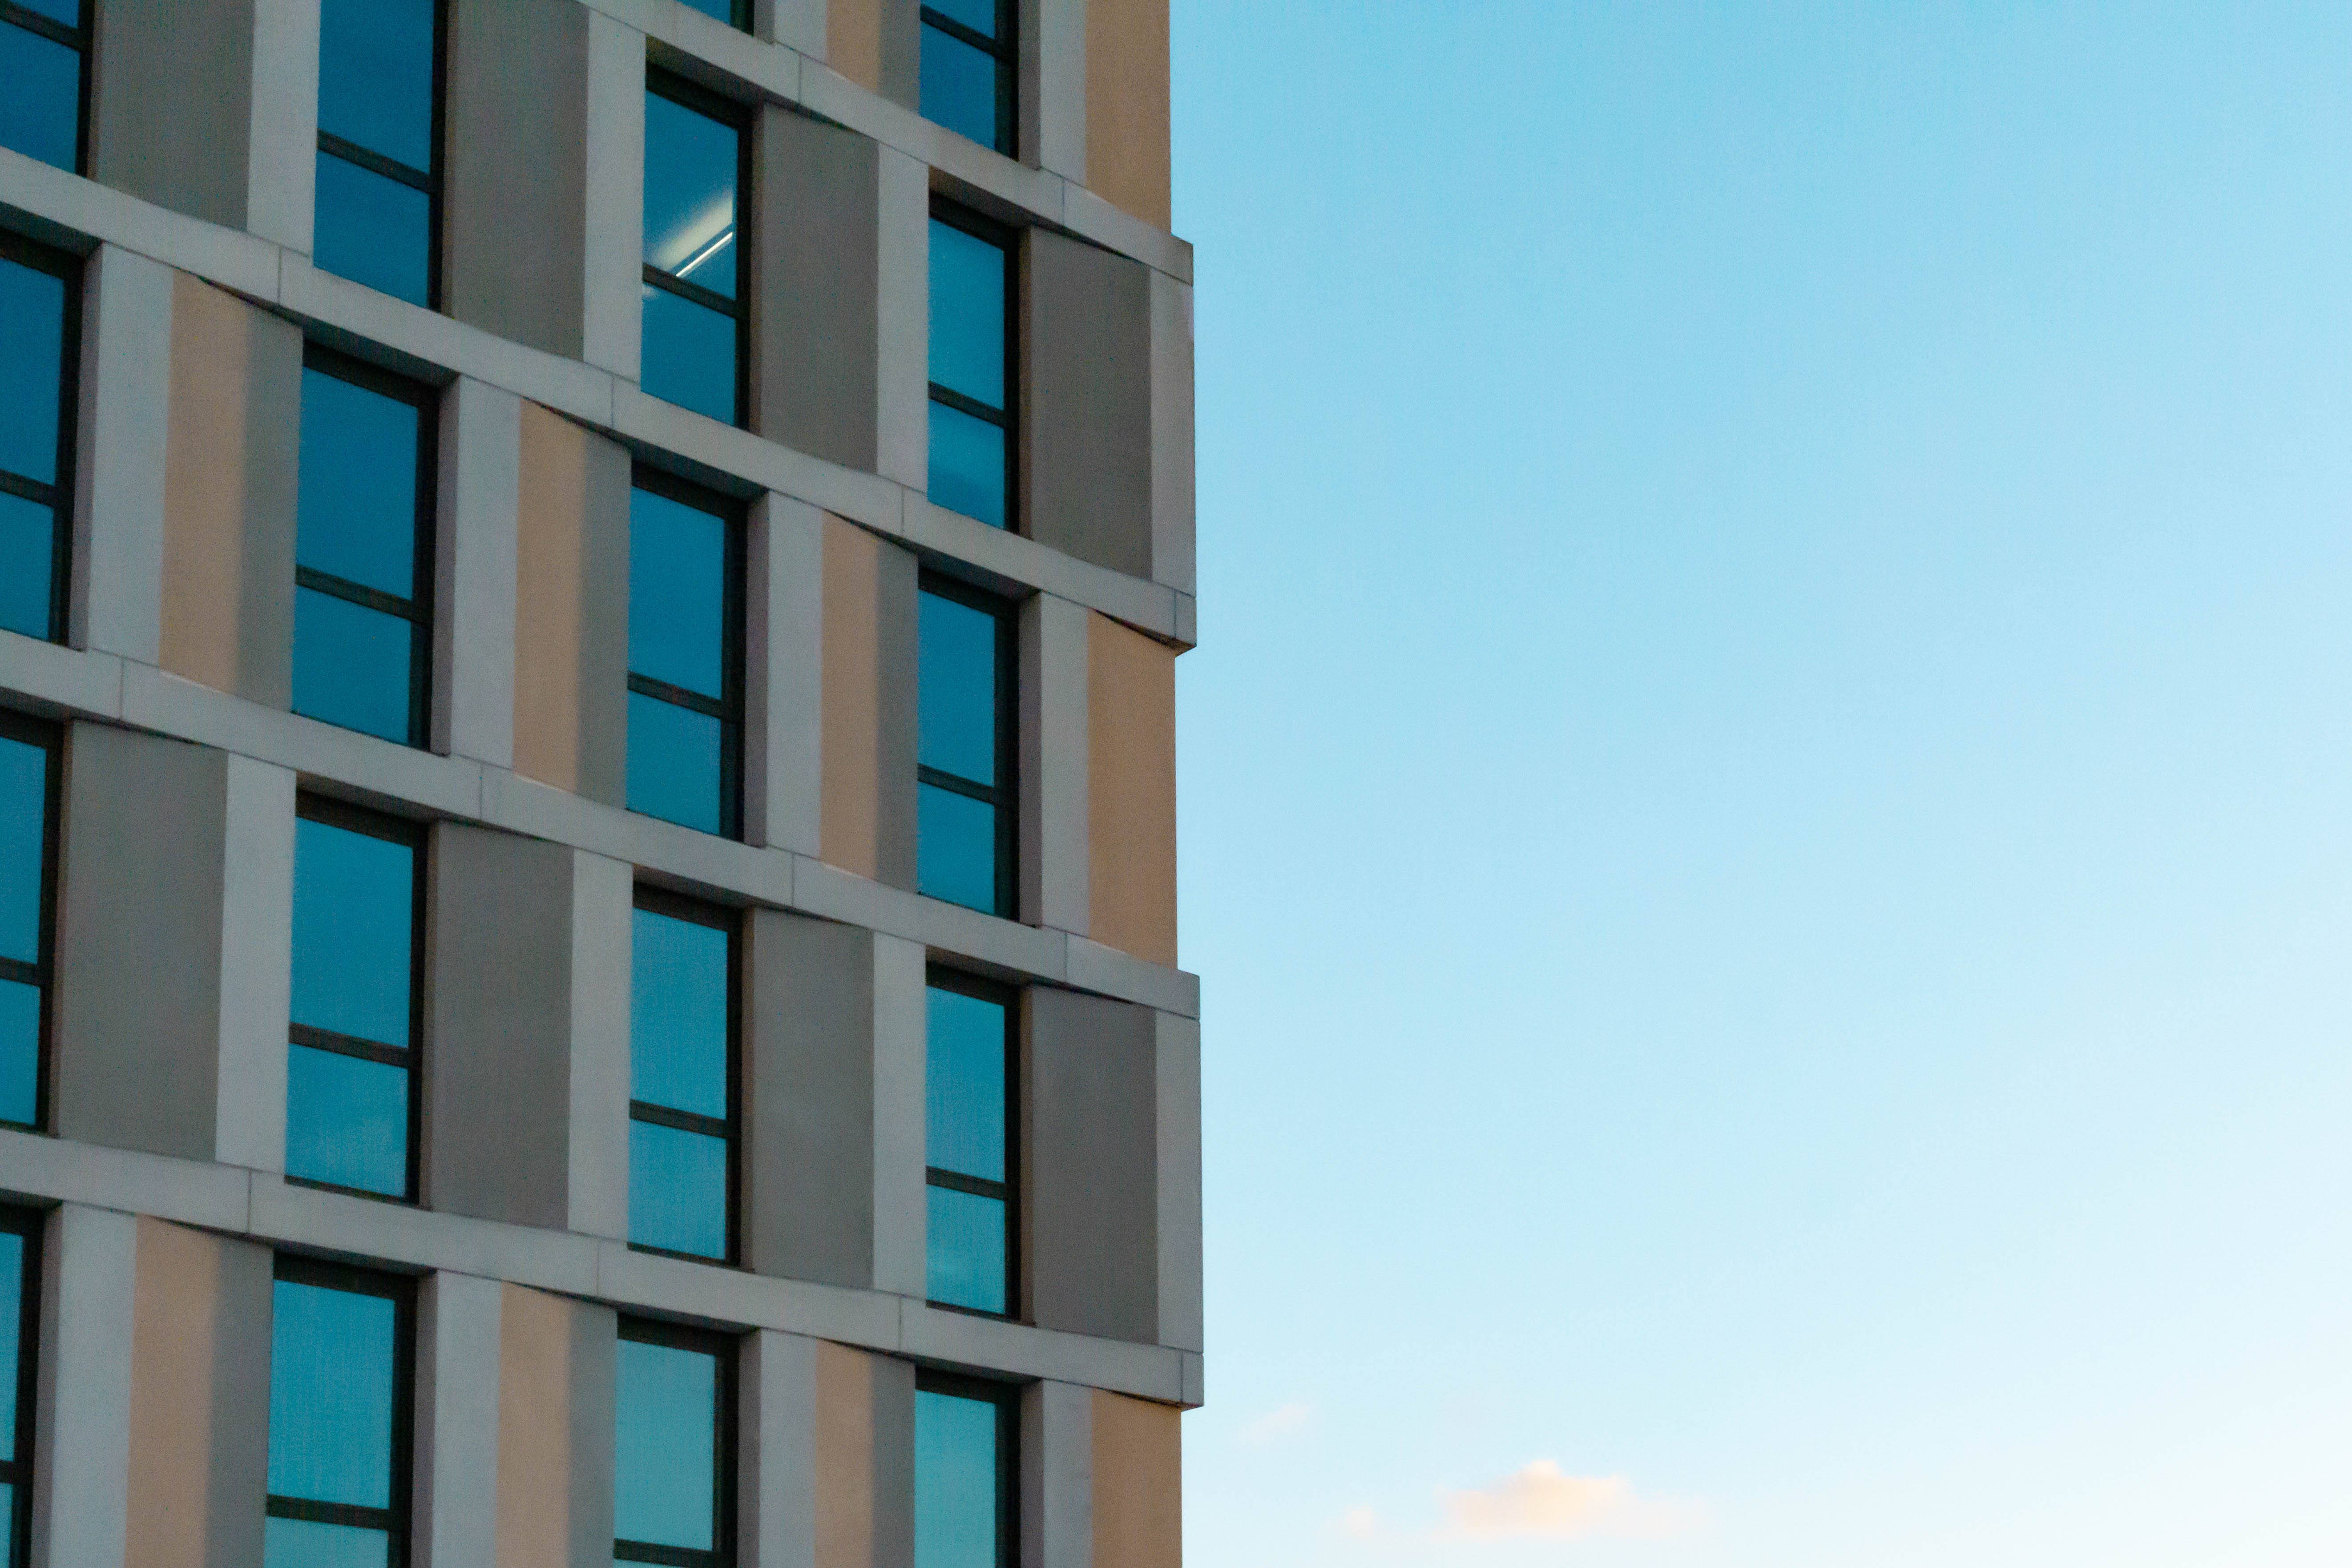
(266, 1209)
(62, 682)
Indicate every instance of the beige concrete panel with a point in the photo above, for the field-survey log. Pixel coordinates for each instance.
(845, 1500)
(572, 590)
(877, 44)
(849, 829)
(1138, 1515)
(198, 1469)
(534, 1519)
(1126, 105)
(1131, 762)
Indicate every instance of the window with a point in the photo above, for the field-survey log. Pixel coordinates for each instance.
(672, 1460)
(363, 550)
(968, 1143)
(20, 1317)
(964, 704)
(967, 69)
(45, 60)
(971, 366)
(734, 12)
(351, 1072)
(685, 654)
(696, 161)
(28, 880)
(40, 309)
(341, 1349)
(379, 187)
(967, 1435)
(683, 1026)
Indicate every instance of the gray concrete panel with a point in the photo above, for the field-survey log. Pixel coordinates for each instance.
(613, 269)
(895, 717)
(815, 256)
(282, 161)
(903, 320)
(257, 964)
(902, 51)
(138, 1003)
(784, 659)
(273, 371)
(901, 1021)
(239, 1447)
(1172, 486)
(125, 395)
(1057, 1454)
(474, 573)
(1179, 1117)
(594, 1355)
(604, 625)
(808, 1099)
(171, 104)
(81, 1433)
(457, 1444)
(893, 1463)
(1089, 1209)
(1055, 825)
(1087, 403)
(515, 191)
(603, 916)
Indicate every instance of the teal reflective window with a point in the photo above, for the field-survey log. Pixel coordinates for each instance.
(379, 173)
(673, 1461)
(20, 1270)
(682, 1129)
(734, 12)
(964, 802)
(29, 827)
(694, 320)
(968, 1143)
(967, 70)
(340, 1355)
(965, 1441)
(686, 656)
(970, 359)
(39, 307)
(45, 61)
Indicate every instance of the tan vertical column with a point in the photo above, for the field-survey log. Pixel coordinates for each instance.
(556, 1359)
(877, 44)
(1126, 105)
(826, 1456)
(867, 822)
(1129, 762)
(1137, 1474)
(571, 608)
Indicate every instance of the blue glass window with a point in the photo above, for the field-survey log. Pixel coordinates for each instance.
(971, 391)
(966, 1438)
(686, 656)
(734, 12)
(362, 571)
(28, 840)
(20, 1315)
(682, 1012)
(967, 70)
(694, 316)
(350, 1091)
(968, 1143)
(673, 1465)
(379, 184)
(963, 807)
(341, 1344)
(40, 308)
(45, 60)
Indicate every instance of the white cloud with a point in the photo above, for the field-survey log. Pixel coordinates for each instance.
(1282, 1422)
(1538, 1502)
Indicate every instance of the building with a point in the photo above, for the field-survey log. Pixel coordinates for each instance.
(587, 887)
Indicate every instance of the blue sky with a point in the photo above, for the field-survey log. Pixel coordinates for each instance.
(1767, 792)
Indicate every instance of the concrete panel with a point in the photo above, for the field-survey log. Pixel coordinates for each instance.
(801, 26)
(817, 207)
(171, 104)
(1139, 1499)
(1056, 821)
(603, 905)
(776, 1450)
(783, 784)
(81, 1431)
(229, 478)
(1126, 105)
(893, 1466)
(554, 1432)
(126, 386)
(1172, 492)
(1057, 1454)
(1178, 1071)
(1086, 395)
(903, 320)
(474, 573)
(878, 44)
(282, 160)
(1131, 703)
(515, 179)
(572, 590)
(902, 1025)
(1053, 86)
(1090, 1143)
(199, 1451)
(868, 752)
(808, 1099)
(257, 964)
(141, 894)
(614, 253)
(458, 1388)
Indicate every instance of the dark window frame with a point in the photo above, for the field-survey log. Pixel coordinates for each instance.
(1004, 48)
(59, 497)
(400, 1290)
(724, 1348)
(418, 608)
(1005, 795)
(433, 181)
(728, 708)
(77, 38)
(416, 836)
(32, 1225)
(51, 738)
(736, 117)
(1006, 1398)
(1008, 418)
(678, 907)
(963, 983)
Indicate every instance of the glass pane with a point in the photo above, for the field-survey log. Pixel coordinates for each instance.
(9, 1539)
(665, 1440)
(32, 359)
(689, 355)
(956, 688)
(375, 76)
(979, 16)
(12, 1306)
(967, 465)
(353, 908)
(28, 540)
(66, 11)
(690, 165)
(300, 1543)
(677, 592)
(357, 506)
(352, 666)
(678, 1190)
(966, 1267)
(955, 848)
(959, 86)
(23, 806)
(963, 1085)
(722, 9)
(678, 1015)
(330, 1376)
(41, 112)
(372, 230)
(20, 1052)
(956, 1487)
(346, 1120)
(967, 314)
(674, 763)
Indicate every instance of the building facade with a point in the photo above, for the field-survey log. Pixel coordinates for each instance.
(589, 593)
